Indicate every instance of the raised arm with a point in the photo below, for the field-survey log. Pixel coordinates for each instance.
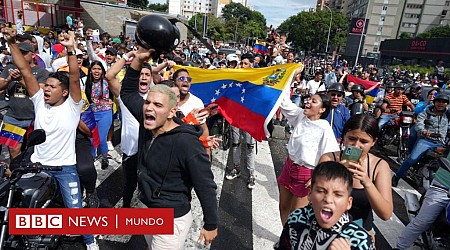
(30, 82)
(114, 84)
(74, 73)
(90, 49)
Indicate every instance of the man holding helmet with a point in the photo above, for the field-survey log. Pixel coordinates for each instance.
(174, 160)
(431, 127)
(393, 104)
(339, 114)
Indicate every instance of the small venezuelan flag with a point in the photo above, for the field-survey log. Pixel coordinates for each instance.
(11, 135)
(260, 47)
(367, 84)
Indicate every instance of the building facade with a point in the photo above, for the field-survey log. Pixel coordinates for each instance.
(189, 8)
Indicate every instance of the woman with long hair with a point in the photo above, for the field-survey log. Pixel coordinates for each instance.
(97, 93)
(311, 137)
(372, 189)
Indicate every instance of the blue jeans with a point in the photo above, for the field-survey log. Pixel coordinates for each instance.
(385, 119)
(412, 138)
(103, 120)
(435, 201)
(69, 184)
(421, 147)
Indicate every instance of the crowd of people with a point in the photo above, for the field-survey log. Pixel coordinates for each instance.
(75, 83)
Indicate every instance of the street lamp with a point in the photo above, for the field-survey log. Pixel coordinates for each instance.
(329, 28)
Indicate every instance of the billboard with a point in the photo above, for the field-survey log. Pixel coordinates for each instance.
(358, 25)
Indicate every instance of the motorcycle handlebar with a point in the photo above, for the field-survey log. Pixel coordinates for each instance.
(36, 167)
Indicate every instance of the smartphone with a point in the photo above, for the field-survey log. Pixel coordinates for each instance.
(352, 153)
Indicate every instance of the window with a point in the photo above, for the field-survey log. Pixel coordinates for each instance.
(377, 39)
(375, 49)
(380, 28)
(414, 6)
(444, 13)
(409, 15)
(409, 25)
(385, 7)
(382, 18)
(447, 3)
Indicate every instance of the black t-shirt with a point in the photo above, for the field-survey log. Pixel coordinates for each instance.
(20, 105)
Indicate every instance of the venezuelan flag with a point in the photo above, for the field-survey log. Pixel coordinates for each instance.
(248, 98)
(260, 47)
(87, 116)
(367, 84)
(11, 135)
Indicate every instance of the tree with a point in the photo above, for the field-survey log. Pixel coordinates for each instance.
(216, 29)
(158, 7)
(242, 20)
(405, 35)
(440, 31)
(308, 30)
(138, 3)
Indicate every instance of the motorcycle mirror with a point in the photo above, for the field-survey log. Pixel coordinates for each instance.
(36, 137)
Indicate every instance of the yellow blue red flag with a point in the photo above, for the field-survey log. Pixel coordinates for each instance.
(11, 135)
(260, 47)
(247, 98)
(367, 85)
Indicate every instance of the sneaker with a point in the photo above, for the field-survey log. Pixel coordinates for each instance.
(92, 200)
(110, 145)
(92, 246)
(395, 180)
(251, 182)
(105, 163)
(235, 173)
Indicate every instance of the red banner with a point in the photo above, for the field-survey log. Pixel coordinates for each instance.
(37, 221)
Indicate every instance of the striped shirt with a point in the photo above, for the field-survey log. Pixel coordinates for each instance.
(396, 102)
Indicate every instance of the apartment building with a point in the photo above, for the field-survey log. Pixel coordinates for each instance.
(188, 8)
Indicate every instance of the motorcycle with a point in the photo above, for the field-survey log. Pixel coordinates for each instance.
(438, 235)
(397, 132)
(28, 186)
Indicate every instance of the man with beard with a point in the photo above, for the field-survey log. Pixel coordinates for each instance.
(339, 114)
(188, 101)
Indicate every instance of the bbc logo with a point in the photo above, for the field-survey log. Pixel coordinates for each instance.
(39, 221)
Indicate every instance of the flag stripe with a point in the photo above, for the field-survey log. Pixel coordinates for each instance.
(239, 116)
(256, 98)
(9, 141)
(13, 129)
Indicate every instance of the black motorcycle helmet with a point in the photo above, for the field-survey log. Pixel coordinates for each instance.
(390, 84)
(337, 87)
(358, 88)
(442, 97)
(156, 32)
(399, 85)
(415, 87)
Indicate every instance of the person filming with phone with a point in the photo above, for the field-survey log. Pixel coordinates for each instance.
(371, 175)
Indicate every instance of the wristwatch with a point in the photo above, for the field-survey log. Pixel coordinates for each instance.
(71, 53)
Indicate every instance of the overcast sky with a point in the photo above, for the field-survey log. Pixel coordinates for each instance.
(275, 11)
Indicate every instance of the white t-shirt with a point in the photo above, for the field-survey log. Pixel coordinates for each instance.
(192, 103)
(309, 139)
(60, 124)
(130, 130)
(313, 86)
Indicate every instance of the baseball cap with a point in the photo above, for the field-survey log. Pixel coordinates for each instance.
(58, 48)
(26, 47)
(112, 50)
(178, 60)
(117, 40)
(78, 52)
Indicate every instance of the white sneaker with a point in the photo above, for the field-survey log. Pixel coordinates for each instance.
(93, 246)
(110, 145)
(115, 156)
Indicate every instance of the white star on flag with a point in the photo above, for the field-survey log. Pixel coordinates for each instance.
(242, 99)
(224, 86)
(213, 99)
(231, 84)
(238, 84)
(217, 91)
(243, 91)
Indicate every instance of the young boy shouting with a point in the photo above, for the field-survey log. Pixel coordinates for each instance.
(325, 223)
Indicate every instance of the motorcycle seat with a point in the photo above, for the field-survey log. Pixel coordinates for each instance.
(407, 113)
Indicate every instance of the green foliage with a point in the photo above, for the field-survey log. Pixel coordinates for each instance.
(246, 22)
(309, 30)
(159, 7)
(138, 3)
(404, 35)
(440, 31)
(216, 29)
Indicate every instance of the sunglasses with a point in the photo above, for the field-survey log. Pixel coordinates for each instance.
(336, 94)
(184, 78)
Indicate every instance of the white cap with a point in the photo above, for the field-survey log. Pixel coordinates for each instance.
(78, 52)
(232, 57)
